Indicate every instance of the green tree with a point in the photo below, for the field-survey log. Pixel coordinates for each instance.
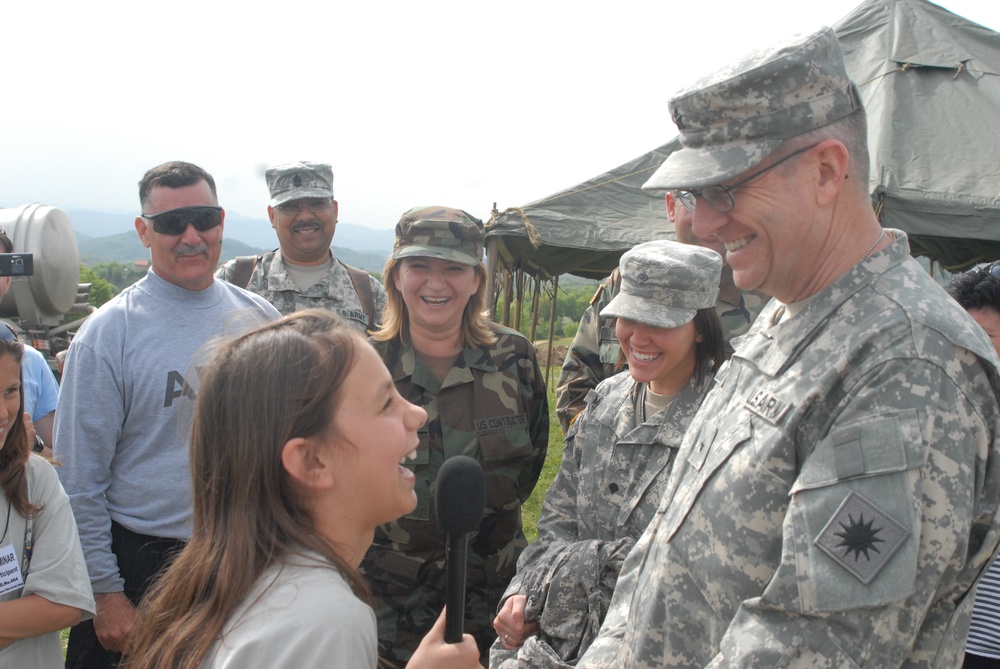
(119, 275)
(101, 290)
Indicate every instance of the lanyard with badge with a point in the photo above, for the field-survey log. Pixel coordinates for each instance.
(11, 576)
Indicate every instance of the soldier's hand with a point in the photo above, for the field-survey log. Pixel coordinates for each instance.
(510, 625)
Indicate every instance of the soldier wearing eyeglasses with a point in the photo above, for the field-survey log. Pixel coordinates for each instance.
(303, 272)
(836, 496)
(594, 353)
(122, 421)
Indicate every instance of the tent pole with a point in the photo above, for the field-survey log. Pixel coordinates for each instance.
(491, 276)
(552, 329)
(534, 307)
(518, 297)
(507, 279)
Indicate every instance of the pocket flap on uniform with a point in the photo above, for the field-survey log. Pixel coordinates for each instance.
(500, 446)
(887, 443)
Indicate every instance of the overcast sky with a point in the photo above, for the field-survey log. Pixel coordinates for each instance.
(413, 103)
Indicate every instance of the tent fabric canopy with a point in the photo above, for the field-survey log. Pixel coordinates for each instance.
(585, 229)
(930, 82)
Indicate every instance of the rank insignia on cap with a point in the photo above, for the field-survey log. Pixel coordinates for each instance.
(297, 181)
(861, 537)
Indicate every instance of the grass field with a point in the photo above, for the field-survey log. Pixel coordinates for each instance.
(533, 507)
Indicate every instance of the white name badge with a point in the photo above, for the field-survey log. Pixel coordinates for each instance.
(10, 571)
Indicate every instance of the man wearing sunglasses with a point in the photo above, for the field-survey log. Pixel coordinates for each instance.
(593, 354)
(836, 496)
(303, 272)
(126, 398)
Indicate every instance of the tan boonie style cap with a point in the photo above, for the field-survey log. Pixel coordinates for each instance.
(664, 283)
(440, 232)
(731, 120)
(298, 181)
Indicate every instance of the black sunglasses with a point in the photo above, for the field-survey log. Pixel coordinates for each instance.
(175, 221)
(7, 333)
(993, 269)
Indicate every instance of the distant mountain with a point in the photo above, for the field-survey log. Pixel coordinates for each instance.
(126, 248)
(99, 238)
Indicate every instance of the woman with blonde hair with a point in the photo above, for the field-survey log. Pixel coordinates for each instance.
(296, 445)
(485, 398)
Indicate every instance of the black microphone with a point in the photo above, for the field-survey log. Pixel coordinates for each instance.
(459, 498)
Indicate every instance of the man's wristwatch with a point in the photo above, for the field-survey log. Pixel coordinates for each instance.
(39, 445)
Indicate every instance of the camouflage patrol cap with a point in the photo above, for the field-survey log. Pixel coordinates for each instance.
(298, 181)
(731, 120)
(440, 232)
(665, 282)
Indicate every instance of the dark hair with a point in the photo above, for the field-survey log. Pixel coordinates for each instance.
(8, 246)
(277, 382)
(976, 289)
(15, 450)
(709, 353)
(175, 174)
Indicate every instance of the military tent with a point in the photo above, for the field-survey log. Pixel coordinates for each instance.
(583, 230)
(930, 83)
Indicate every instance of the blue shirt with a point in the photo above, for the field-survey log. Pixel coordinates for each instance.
(41, 391)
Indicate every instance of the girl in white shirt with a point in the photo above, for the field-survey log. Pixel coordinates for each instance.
(296, 451)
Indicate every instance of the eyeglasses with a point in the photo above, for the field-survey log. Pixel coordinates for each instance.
(721, 197)
(315, 206)
(993, 269)
(175, 221)
(686, 198)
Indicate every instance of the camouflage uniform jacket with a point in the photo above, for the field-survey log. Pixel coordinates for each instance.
(492, 407)
(612, 477)
(335, 291)
(594, 351)
(836, 496)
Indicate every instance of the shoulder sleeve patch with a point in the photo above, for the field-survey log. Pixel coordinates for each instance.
(861, 537)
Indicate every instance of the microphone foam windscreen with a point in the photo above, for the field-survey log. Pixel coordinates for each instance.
(460, 495)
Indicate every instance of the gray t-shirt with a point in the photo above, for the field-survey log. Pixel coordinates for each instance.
(301, 613)
(121, 430)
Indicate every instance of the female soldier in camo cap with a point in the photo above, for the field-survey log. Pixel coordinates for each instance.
(485, 398)
(618, 454)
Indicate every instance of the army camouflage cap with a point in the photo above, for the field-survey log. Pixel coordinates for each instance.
(440, 232)
(298, 181)
(731, 120)
(665, 282)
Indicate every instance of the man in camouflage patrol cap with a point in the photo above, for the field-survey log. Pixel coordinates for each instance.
(303, 272)
(835, 498)
(485, 398)
(593, 354)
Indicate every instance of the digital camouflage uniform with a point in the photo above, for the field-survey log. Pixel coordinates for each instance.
(491, 406)
(335, 291)
(609, 486)
(835, 498)
(594, 352)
